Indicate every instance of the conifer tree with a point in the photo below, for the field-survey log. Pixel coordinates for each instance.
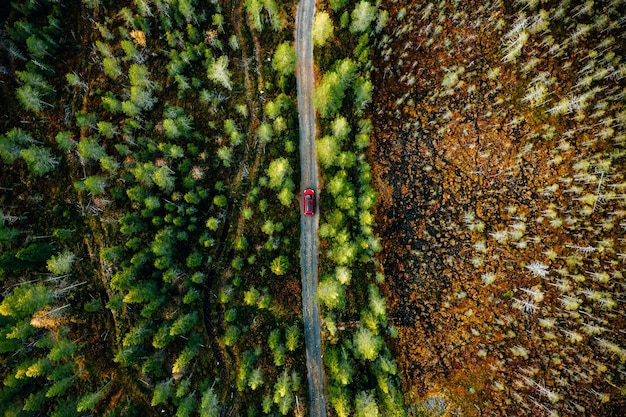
(322, 28)
(366, 344)
(284, 60)
(219, 73)
(362, 16)
(39, 160)
(61, 264)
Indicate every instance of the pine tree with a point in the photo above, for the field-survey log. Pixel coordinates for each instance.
(209, 405)
(292, 338)
(279, 355)
(59, 387)
(111, 67)
(184, 324)
(183, 360)
(164, 178)
(112, 104)
(9, 150)
(329, 94)
(274, 14)
(255, 380)
(366, 344)
(280, 265)
(282, 387)
(339, 365)
(225, 155)
(231, 335)
(61, 264)
(65, 141)
(39, 160)
(95, 184)
(142, 97)
(218, 72)
(339, 398)
(30, 98)
(376, 302)
(73, 80)
(62, 349)
(285, 196)
(130, 109)
(327, 150)
(284, 60)
(8, 234)
(186, 406)
(331, 293)
(90, 149)
(265, 133)
(341, 128)
(362, 93)
(107, 129)
(162, 392)
(322, 28)
(362, 16)
(88, 401)
(278, 170)
(187, 10)
(254, 9)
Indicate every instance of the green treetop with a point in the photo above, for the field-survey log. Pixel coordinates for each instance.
(218, 72)
(362, 16)
(322, 28)
(39, 160)
(284, 60)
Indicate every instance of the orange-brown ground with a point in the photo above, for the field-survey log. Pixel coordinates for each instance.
(475, 185)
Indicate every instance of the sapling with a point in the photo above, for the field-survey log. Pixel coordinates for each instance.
(501, 236)
(520, 24)
(564, 106)
(480, 246)
(574, 337)
(525, 306)
(552, 396)
(585, 250)
(538, 269)
(602, 396)
(562, 285)
(535, 293)
(570, 302)
(488, 278)
(593, 329)
(606, 302)
(548, 335)
(582, 30)
(602, 277)
(518, 350)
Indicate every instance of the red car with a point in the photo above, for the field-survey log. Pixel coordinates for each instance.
(309, 202)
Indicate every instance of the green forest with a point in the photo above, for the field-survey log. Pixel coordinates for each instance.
(471, 207)
(149, 213)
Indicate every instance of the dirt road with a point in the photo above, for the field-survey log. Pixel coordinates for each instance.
(309, 224)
